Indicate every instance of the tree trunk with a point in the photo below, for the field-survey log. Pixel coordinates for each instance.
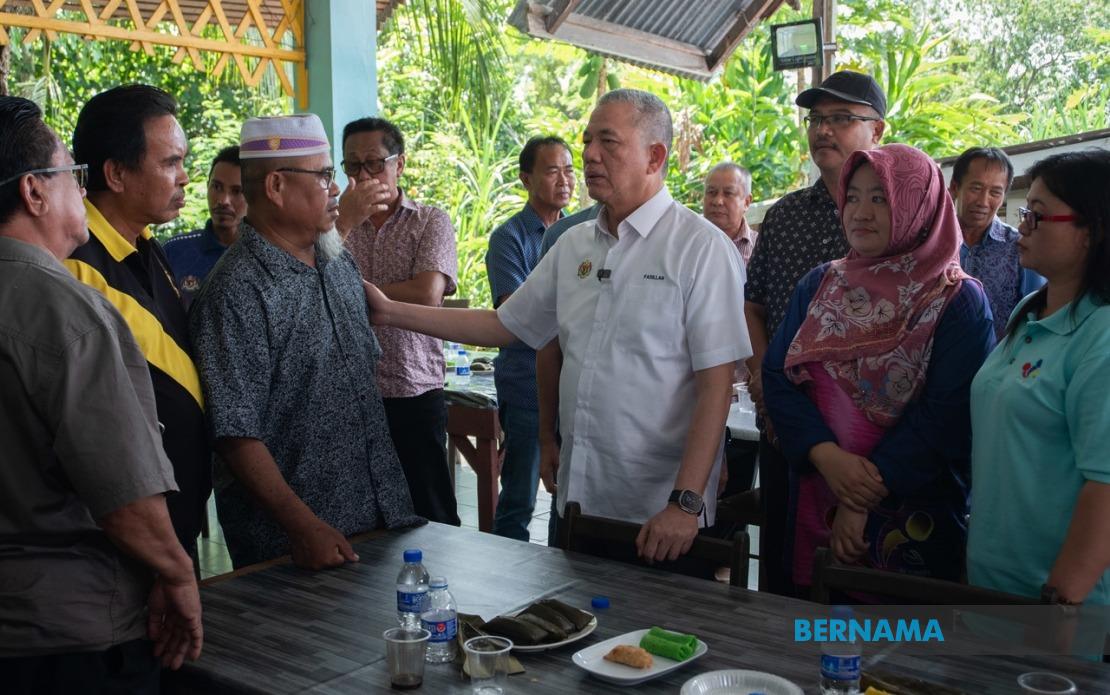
(5, 68)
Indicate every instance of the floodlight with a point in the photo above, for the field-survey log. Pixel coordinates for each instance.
(797, 44)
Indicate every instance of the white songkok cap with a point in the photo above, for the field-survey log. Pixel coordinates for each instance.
(301, 135)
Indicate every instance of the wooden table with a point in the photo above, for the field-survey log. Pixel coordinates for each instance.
(480, 422)
(285, 630)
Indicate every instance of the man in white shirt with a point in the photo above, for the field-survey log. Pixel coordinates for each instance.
(645, 302)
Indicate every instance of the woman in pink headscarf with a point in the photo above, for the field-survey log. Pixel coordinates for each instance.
(867, 378)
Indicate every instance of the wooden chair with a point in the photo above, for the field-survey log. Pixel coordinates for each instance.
(741, 508)
(830, 575)
(616, 540)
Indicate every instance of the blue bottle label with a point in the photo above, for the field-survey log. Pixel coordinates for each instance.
(462, 370)
(442, 630)
(411, 601)
(840, 668)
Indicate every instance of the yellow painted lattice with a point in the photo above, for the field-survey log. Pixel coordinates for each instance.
(277, 39)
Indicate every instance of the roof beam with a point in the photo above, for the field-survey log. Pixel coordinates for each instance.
(624, 43)
(559, 13)
(745, 21)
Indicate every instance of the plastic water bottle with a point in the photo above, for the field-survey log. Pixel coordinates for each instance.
(462, 369)
(449, 364)
(840, 662)
(412, 590)
(440, 618)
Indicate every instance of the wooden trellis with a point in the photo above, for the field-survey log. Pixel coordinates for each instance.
(277, 38)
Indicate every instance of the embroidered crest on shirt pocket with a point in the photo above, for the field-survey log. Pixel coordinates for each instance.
(1029, 369)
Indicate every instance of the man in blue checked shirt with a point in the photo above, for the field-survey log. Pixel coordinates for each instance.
(547, 172)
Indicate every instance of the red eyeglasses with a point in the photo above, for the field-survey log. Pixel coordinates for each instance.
(1032, 218)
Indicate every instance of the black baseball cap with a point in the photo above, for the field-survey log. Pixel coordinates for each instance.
(846, 85)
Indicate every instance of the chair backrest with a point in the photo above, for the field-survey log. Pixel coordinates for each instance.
(830, 575)
(616, 540)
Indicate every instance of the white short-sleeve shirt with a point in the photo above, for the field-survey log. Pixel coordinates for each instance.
(636, 315)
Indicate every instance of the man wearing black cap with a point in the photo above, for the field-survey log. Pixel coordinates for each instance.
(801, 231)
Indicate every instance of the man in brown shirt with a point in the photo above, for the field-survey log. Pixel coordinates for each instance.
(84, 531)
(408, 250)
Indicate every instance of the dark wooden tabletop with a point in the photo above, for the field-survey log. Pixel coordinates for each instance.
(286, 630)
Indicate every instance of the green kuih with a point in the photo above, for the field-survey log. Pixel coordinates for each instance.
(672, 645)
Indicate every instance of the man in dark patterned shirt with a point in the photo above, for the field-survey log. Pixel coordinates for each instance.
(801, 231)
(989, 252)
(288, 364)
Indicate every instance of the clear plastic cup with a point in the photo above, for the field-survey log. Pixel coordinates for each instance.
(743, 398)
(404, 652)
(487, 659)
(1045, 683)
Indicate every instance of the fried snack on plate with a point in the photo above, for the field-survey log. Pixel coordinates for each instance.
(872, 690)
(629, 656)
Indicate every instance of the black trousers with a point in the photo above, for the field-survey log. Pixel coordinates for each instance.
(774, 492)
(418, 426)
(125, 669)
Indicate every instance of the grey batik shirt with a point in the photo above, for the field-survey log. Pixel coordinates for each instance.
(286, 356)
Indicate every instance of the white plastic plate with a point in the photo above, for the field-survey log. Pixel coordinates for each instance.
(739, 682)
(592, 659)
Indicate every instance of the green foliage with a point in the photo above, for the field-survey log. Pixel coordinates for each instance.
(460, 43)
(62, 75)
(481, 194)
(741, 117)
(929, 104)
(1030, 53)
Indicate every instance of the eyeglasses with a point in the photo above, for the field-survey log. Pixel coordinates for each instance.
(325, 175)
(80, 174)
(370, 166)
(1032, 219)
(836, 120)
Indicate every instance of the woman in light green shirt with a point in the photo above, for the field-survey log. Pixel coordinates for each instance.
(1040, 405)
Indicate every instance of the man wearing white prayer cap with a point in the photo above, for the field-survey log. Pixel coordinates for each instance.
(288, 362)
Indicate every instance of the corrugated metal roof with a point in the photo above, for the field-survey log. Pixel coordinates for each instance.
(691, 38)
(699, 23)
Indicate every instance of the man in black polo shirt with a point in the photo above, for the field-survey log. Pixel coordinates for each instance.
(135, 150)
(800, 232)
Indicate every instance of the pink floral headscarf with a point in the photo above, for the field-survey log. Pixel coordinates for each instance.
(871, 323)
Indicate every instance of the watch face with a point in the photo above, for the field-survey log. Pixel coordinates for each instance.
(690, 501)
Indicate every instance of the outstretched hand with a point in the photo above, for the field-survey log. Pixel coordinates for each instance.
(379, 304)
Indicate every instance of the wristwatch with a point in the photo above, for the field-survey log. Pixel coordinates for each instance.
(688, 501)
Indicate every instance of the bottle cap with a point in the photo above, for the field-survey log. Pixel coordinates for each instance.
(437, 582)
(842, 611)
(599, 602)
(414, 555)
